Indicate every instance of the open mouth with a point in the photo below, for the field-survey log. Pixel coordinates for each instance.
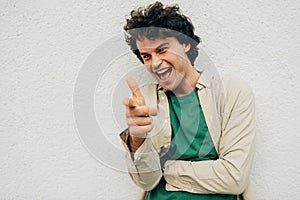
(163, 74)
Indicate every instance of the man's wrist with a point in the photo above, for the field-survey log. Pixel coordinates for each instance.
(134, 142)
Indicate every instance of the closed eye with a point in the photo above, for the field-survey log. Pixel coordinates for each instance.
(162, 50)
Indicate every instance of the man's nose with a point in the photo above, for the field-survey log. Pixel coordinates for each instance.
(156, 62)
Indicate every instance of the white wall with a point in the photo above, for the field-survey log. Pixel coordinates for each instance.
(43, 46)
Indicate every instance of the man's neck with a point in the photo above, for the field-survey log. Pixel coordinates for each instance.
(188, 84)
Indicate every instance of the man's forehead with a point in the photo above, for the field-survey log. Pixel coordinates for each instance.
(153, 43)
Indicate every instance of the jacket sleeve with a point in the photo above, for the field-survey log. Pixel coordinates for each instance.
(144, 165)
(230, 173)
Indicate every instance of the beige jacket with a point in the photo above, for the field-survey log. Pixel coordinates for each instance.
(229, 110)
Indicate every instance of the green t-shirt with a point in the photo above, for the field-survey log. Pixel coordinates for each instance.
(191, 141)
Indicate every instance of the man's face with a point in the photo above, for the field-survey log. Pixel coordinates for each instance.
(166, 60)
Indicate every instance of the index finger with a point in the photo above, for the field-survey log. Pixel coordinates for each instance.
(134, 87)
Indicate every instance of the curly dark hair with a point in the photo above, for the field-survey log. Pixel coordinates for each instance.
(155, 21)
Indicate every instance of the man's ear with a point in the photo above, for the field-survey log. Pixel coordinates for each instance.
(187, 47)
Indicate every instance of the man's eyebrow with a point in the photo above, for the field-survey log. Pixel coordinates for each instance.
(161, 45)
(156, 49)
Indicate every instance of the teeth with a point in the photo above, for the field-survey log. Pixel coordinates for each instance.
(162, 71)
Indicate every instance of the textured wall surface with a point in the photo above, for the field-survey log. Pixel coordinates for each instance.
(43, 45)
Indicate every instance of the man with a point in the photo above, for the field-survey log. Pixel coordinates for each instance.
(205, 149)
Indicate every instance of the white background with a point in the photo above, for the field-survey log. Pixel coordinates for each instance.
(43, 45)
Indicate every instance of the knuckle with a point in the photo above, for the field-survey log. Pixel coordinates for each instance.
(150, 120)
(146, 110)
(147, 121)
